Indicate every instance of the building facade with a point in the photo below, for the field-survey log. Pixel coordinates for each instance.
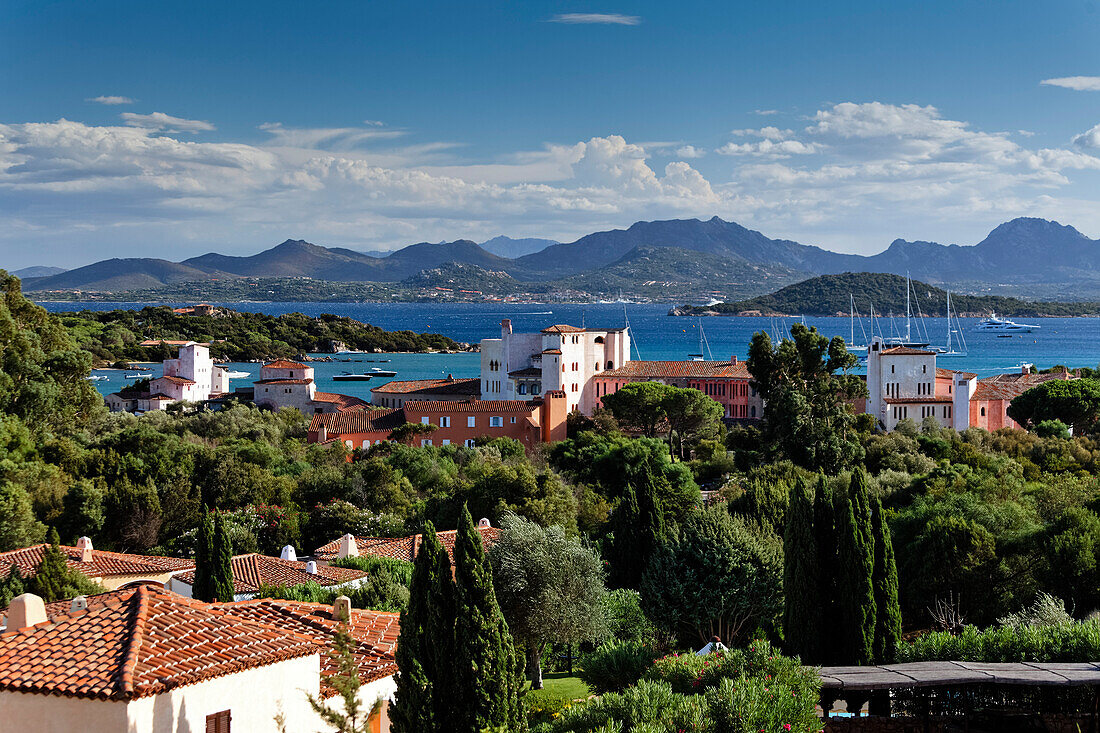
(191, 377)
(561, 358)
(397, 393)
(290, 384)
(725, 382)
(904, 383)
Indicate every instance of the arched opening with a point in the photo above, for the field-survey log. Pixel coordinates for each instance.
(610, 364)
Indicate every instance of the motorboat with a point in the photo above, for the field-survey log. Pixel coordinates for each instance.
(1002, 325)
(238, 374)
(346, 377)
(375, 371)
(135, 376)
(96, 378)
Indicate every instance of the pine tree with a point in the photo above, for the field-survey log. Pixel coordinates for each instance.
(221, 571)
(425, 647)
(53, 571)
(639, 529)
(855, 565)
(825, 541)
(11, 586)
(203, 587)
(488, 672)
(887, 609)
(802, 604)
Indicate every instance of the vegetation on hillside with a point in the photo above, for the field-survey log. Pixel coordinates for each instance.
(115, 335)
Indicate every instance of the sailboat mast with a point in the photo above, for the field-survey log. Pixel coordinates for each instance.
(949, 320)
(908, 336)
(851, 319)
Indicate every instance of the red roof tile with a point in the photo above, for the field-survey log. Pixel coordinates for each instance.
(283, 364)
(906, 351)
(678, 369)
(361, 421)
(563, 328)
(1012, 385)
(551, 351)
(283, 381)
(462, 385)
(174, 380)
(403, 548)
(375, 633)
(103, 564)
(343, 402)
(253, 570)
(525, 406)
(950, 374)
(141, 642)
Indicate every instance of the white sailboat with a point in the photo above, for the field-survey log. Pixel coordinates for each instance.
(952, 348)
(908, 338)
(852, 346)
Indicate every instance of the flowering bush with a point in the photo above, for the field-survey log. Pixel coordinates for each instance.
(543, 708)
(616, 665)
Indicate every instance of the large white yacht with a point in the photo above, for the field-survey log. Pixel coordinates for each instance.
(1002, 325)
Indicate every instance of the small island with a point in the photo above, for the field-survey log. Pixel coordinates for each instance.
(148, 334)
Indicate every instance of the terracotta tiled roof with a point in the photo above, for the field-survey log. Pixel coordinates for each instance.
(175, 380)
(551, 351)
(157, 396)
(283, 364)
(166, 342)
(681, 369)
(950, 374)
(907, 351)
(253, 570)
(283, 381)
(462, 385)
(563, 328)
(404, 548)
(103, 564)
(1012, 385)
(343, 402)
(471, 406)
(141, 642)
(361, 421)
(375, 633)
(528, 372)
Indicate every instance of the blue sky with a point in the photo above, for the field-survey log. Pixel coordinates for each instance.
(172, 129)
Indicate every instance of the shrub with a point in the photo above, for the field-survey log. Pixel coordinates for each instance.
(544, 708)
(1059, 643)
(616, 665)
(692, 674)
(625, 619)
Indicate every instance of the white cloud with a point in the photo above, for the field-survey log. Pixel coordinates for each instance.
(768, 133)
(1089, 140)
(769, 148)
(110, 100)
(328, 138)
(1078, 83)
(596, 19)
(690, 151)
(765, 112)
(160, 122)
(374, 123)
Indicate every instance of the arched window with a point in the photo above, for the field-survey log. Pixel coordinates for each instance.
(596, 367)
(983, 412)
(610, 364)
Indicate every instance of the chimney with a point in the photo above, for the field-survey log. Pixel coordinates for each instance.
(348, 548)
(288, 553)
(341, 608)
(322, 434)
(79, 604)
(311, 567)
(26, 610)
(733, 359)
(84, 544)
(505, 327)
(483, 523)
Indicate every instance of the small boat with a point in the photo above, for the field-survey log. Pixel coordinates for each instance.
(135, 376)
(345, 377)
(1003, 325)
(238, 374)
(96, 378)
(350, 351)
(375, 371)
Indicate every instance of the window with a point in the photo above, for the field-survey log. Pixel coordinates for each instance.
(496, 422)
(471, 421)
(522, 388)
(596, 367)
(983, 412)
(513, 420)
(469, 442)
(446, 442)
(425, 441)
(536, 388)
(425, 420)
(445, 422)
(891, 368)
(610, 365)
(218, 722)
(924, 369)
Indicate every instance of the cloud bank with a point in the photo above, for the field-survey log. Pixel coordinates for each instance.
(1078, 83)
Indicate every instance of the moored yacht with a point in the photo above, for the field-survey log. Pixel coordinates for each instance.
(1003, 325)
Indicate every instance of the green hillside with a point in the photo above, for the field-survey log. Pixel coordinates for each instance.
(829, 295)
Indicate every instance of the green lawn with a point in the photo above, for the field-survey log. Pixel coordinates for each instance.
(560, 684)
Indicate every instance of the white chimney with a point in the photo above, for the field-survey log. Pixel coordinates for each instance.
(505, 327)
(348, 547)
(341, 608)
(79, 604)
(483, 523)
(84, 544)
(288, 553)
(26, 610)
(311, 567)
(322, 434)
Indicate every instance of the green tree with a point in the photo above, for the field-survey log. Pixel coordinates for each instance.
(11, 585)
(855, 565)
(805, 383)
(802, 603)
(83, 514)
(221, 570)
(639, 527)
(487, 672)
(1075, 402)
(203, 587)
(716, 576)
(425, 647)
(412, 432)
(885, 581)
(351, 715)
(692, 416)
(549, 586)
(18, 526)
(641, 406)
(52, 574)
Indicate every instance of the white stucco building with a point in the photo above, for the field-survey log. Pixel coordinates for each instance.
(905, 383)
(519, 365)
(192, 376)
(290, 384)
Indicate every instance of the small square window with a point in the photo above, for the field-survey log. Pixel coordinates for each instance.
(471, 421)
(425, 420)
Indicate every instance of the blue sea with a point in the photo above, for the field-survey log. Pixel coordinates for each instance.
(1071, 341)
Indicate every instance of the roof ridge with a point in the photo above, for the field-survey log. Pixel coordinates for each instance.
(139, 616)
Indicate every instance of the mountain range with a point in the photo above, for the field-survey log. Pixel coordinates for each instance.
(1023, 251)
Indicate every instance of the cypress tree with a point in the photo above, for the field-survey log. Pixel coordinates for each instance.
(426, 644)
(488, 673)
(221, 570)
(639, 529)
(802, 604)
(203, 587)
(855, 565)
(825, 541)
(53, 571)
(885, 579)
